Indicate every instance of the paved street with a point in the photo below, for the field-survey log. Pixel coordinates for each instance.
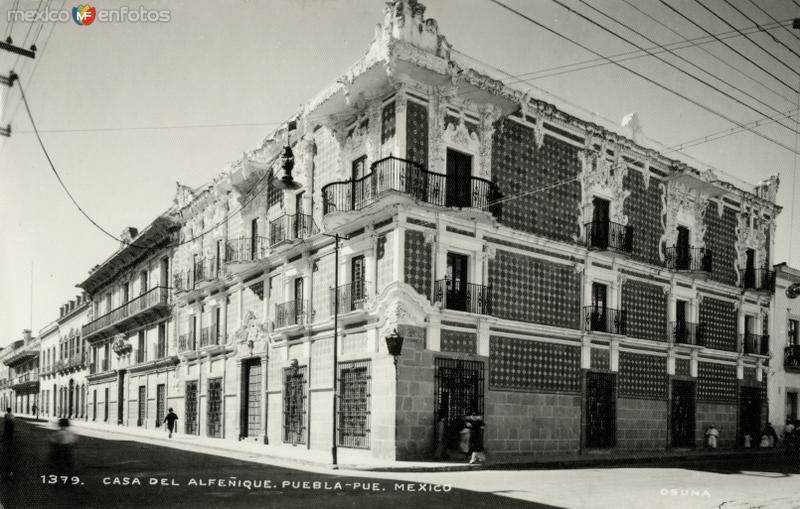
(101, 461)
(739, 484)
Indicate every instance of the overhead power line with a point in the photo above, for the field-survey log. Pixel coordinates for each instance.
(774, 39)
(696, 78)
(773, 19)
(690, 20)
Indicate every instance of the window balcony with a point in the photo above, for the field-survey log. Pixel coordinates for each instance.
(187, 343)
(292, 313)
(756, 344)
(352, 296)
(204, 271)
(210, 336)
(99, 368)
(392, 174)
(26, 381)
(290, 228)
(760, 280)
(791, 358)
(601, 319)
(246, 250)
(609, 236)
(74, 362)
(686, 333)
(149, 306)
(694, 260)
(467, 297)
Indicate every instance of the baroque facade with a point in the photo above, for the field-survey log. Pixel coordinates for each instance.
(558, 279)
(784, 373)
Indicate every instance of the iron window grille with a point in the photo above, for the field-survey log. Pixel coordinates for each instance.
(294, 404)
(459, 392)
(353, 410)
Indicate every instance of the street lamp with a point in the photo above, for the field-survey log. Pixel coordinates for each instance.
(394, 343)
(284, 180)
(337, 238)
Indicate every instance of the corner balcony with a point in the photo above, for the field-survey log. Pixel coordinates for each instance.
(469, 297)
(759, 280)
(150, 306)
(291, 228)
(609, 236)
(754, 344)
(293, 313)
(791, 358)
(687, 333)
(204, 271)
(601, 319)
(694, 261)
(392, 175)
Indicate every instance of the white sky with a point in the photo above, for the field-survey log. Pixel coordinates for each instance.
(237, 62)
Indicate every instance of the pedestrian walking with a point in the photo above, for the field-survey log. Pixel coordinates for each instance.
(35, 410)
(170, 420)
(61, 448)
(772, 436)
(8, 428)
(711, 435)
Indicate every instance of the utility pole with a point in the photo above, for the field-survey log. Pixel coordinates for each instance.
(796, 26)
(8, 81)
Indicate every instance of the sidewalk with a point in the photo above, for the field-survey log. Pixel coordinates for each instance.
(298, 456)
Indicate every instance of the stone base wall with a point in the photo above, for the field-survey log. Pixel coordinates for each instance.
(415, 402)
(723, 416)
(531, 423)
(641, 424)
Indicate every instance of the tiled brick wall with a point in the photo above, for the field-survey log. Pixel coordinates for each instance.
(517, 165)
(642, 376)
(721, 239)
(716, 382)
(526, 365)
(385, 261)
(417, 267)
(601, 359)
(643, 208)
(532, 290)
(388, 122)
(718, 323)
(641, 424)
(646, 308)
(531, 423)
(722, 416)
(459, 341)
(417, 133)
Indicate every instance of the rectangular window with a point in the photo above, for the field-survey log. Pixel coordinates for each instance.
(143, 282)
(458, 183)
(126, 292)
(164, 275)
(254, 239)
(792, 331)
(141, 353)
(162, 341)
(354, 404)
(105, 405)
(94, 405)
(294, 404)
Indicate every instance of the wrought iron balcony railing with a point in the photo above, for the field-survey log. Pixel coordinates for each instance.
(352, 296)
(292, 313)
(187, 343)
(28, 377)
(203, 271)
(99, 367)
(139, 356)
(160, 349)
(687, 333)
(601, 319)
(291, 227)
(791, 357)
(691, 260)
(757, 279)
(607, 235)
(754, 343)
(157, 296)
(459, 296)
(410, 178)
(211, 336)
(246, 249)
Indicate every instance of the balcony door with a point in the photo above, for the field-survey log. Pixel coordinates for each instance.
(681, 332)
(298, 300)
(359, 192)
(682, 249)
(164, 272)
(254, 239)
(750, 269)
(459, 173)
(457, 281)
(358, 272)
(600, 219)
(599, 311)
(299, 226)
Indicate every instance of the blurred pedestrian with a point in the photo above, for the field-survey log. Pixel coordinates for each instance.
(788, 435)
(711, 436)
(7, 452)
(61, 443)
(8, 428)
(771, 435)
(170, 420)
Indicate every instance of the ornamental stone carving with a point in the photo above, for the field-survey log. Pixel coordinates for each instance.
(251, 330)
(678, 202)
(604, 177)
(767, 189)
(404, 20)
(751, 233)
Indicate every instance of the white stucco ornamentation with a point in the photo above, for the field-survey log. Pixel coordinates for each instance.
(682, 206)
(751, 233)
(251, 329)
(602, 177)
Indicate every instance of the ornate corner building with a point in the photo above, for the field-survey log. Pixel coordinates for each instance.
(559, 278)
(784, 372)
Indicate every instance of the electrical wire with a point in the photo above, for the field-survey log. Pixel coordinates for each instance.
(757, 81)
(762, 48)
(690, 20)
(684, 60)
(10, 29)
(646, 78)
(773, 19)
(774, 39)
